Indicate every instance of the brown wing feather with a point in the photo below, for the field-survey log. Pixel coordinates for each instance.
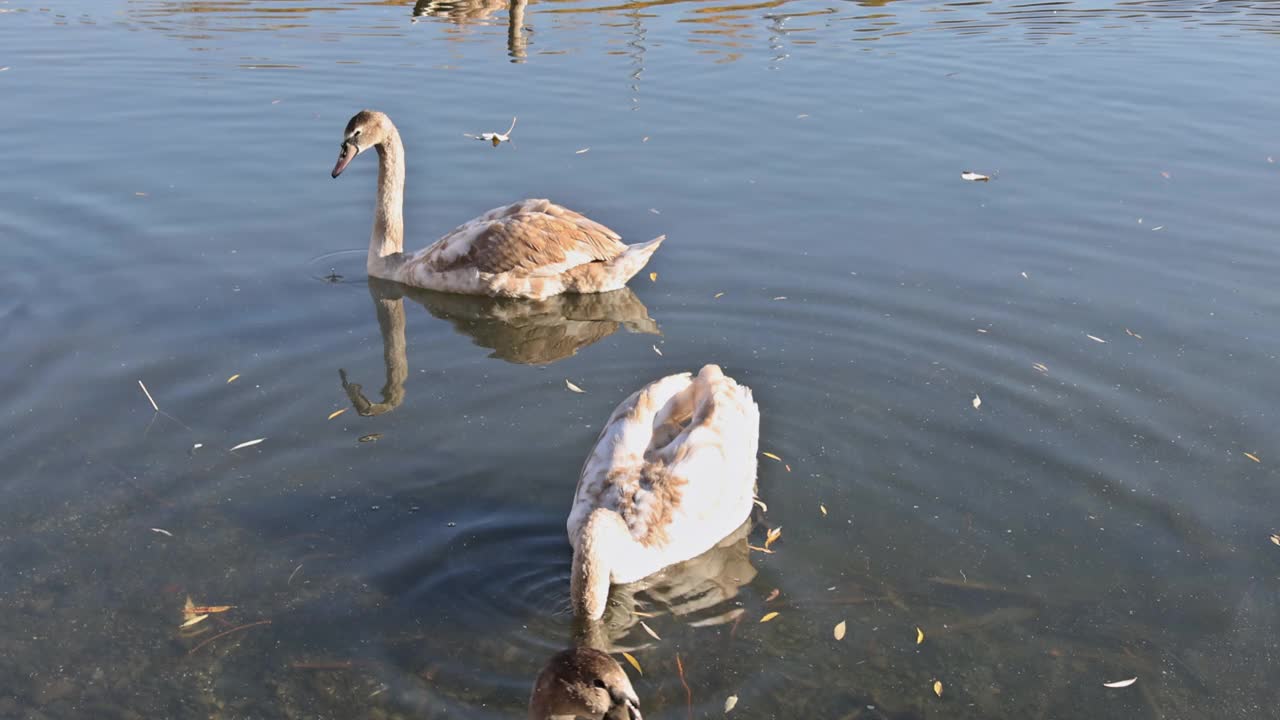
(535, 234)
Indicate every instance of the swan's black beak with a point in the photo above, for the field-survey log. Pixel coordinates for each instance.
(349, 151)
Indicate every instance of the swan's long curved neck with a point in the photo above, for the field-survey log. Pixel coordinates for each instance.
(386, 243)
(605, 539)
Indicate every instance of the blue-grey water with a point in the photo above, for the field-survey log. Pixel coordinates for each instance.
(1110, 296)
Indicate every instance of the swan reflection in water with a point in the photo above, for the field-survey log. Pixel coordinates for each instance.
(526, 332)
(465, 12)
(695, 592)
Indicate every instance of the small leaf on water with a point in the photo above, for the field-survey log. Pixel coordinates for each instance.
(1041, 367)
(247, 443)
(823, 508)
(718, 295)
(771, 456)
(653, 277)
(781, 297)
(973, 176)
(773, 595)
(1121, 683)
(336, 413)
(730, 703)
(655, 349)
(772, 535)
(583, 151)
(655, 211)
(839, 631)
(769, 616)
(919, 636)
(649, 630)
(1024, 274)
(162, 531)
(211, 609)
(232, 379)
(1132, 333)
(1095, 338)
(634, 663)
(573, 387)
(937, 688)
(1252, 457)
(1275, 539)
(977, 402)
(371, 437)
(194, 619)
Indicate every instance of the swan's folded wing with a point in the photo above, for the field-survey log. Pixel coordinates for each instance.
(533, 236)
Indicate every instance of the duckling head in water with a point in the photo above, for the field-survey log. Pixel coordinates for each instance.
(583, 683)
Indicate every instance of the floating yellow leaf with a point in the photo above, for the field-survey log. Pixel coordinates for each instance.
(1252, 457)
(653, 277)
(193, 620)
(336, 413)
(769, 616)
(730, 703)
(937, 688)
(634, 663)
(823, 508)
(773, 535)
(919, 636)
(573, 387)
(1121, 683)
(232, 379)
(839, 631)
(771, 456)
(649, 630)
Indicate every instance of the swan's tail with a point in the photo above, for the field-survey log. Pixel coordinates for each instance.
(613, 274)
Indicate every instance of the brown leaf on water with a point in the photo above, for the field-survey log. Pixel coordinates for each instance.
(634, 663)
(649, 630)
(773, 595)
(838, 633)
(769, 616)
(193, 620)
(1252, 457)
(653, 277)
(919, 636)
(573, 387)
(937, 688)
(771, 456)
(232, 379)
(767, 551)
(772, 535)
(336, 413)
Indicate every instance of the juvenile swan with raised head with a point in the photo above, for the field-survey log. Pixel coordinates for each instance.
(532, 249)
(583, 683)
(672, 474)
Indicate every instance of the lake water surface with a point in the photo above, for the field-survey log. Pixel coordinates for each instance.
(1110, 296)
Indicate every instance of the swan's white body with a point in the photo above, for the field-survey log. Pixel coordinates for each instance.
(530, 249)
(673, 473)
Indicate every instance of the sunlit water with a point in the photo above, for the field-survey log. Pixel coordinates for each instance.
(1110, 296)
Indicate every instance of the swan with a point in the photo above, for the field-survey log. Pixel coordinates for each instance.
(583, 682)
(530, 249)
(671, 475)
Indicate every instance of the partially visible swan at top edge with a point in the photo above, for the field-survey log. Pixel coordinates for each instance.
(531, 249)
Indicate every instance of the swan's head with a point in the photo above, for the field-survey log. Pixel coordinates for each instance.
(366, 129)
(583, 682)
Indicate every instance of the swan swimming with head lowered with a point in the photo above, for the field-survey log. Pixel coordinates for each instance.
(531, 249)
(672, 474)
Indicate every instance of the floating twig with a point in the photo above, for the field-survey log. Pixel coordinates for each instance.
(688, 694)
(149, 398)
